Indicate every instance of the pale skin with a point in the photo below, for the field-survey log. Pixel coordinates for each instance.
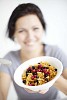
(28, 33)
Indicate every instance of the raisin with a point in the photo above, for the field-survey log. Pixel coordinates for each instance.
(45, 75)
(33, 67)
(38, 63)
(26, 73)
(46, 79)
(36, 81)
(24, 81)
(34, 73)
(44, 67)
(55, 69)
(47, 67)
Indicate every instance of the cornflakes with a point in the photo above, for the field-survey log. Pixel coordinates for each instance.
(39, 74)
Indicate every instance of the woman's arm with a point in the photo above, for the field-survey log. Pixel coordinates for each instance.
(61, 83)
(4, 85)
(1, 95)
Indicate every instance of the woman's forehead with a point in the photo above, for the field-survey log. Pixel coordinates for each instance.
(28, 20)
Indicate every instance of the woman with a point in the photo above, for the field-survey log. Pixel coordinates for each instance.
(26, 26)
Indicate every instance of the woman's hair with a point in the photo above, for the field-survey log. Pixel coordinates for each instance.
(23, 10)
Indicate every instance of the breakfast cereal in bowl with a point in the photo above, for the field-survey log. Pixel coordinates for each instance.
(38, 73)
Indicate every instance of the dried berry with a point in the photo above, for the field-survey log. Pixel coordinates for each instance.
(33, 67)
(34, 73)
(38, 75)
(24, 81)
(55, 69)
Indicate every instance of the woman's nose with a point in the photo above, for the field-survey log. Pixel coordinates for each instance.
(30, 35)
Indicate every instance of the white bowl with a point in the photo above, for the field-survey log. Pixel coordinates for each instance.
(19, 71)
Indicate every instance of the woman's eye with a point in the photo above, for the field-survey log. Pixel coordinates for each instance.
(21, 31)
(35, 28)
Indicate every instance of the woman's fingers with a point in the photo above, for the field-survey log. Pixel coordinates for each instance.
(30, 91)
(40, 91)
(43, 91)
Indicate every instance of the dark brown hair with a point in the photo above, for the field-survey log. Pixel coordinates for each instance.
(23, 10)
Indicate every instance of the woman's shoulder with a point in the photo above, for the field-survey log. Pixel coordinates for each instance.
(51, 50)
(14, 58)
(12, 54)
(51, 47)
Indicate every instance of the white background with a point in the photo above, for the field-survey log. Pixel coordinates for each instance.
(55, 14)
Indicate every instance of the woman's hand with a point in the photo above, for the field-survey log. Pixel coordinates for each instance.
(40, 91)
(61, 84)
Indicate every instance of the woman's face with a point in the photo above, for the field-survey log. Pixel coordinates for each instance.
(29, 31)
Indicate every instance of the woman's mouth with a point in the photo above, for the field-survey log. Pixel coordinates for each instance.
(29, 43)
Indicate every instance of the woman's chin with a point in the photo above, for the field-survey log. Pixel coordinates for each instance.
(30, 47)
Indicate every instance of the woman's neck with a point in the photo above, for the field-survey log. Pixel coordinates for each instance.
(26, 56)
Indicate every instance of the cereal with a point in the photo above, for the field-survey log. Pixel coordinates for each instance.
(39, 74)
